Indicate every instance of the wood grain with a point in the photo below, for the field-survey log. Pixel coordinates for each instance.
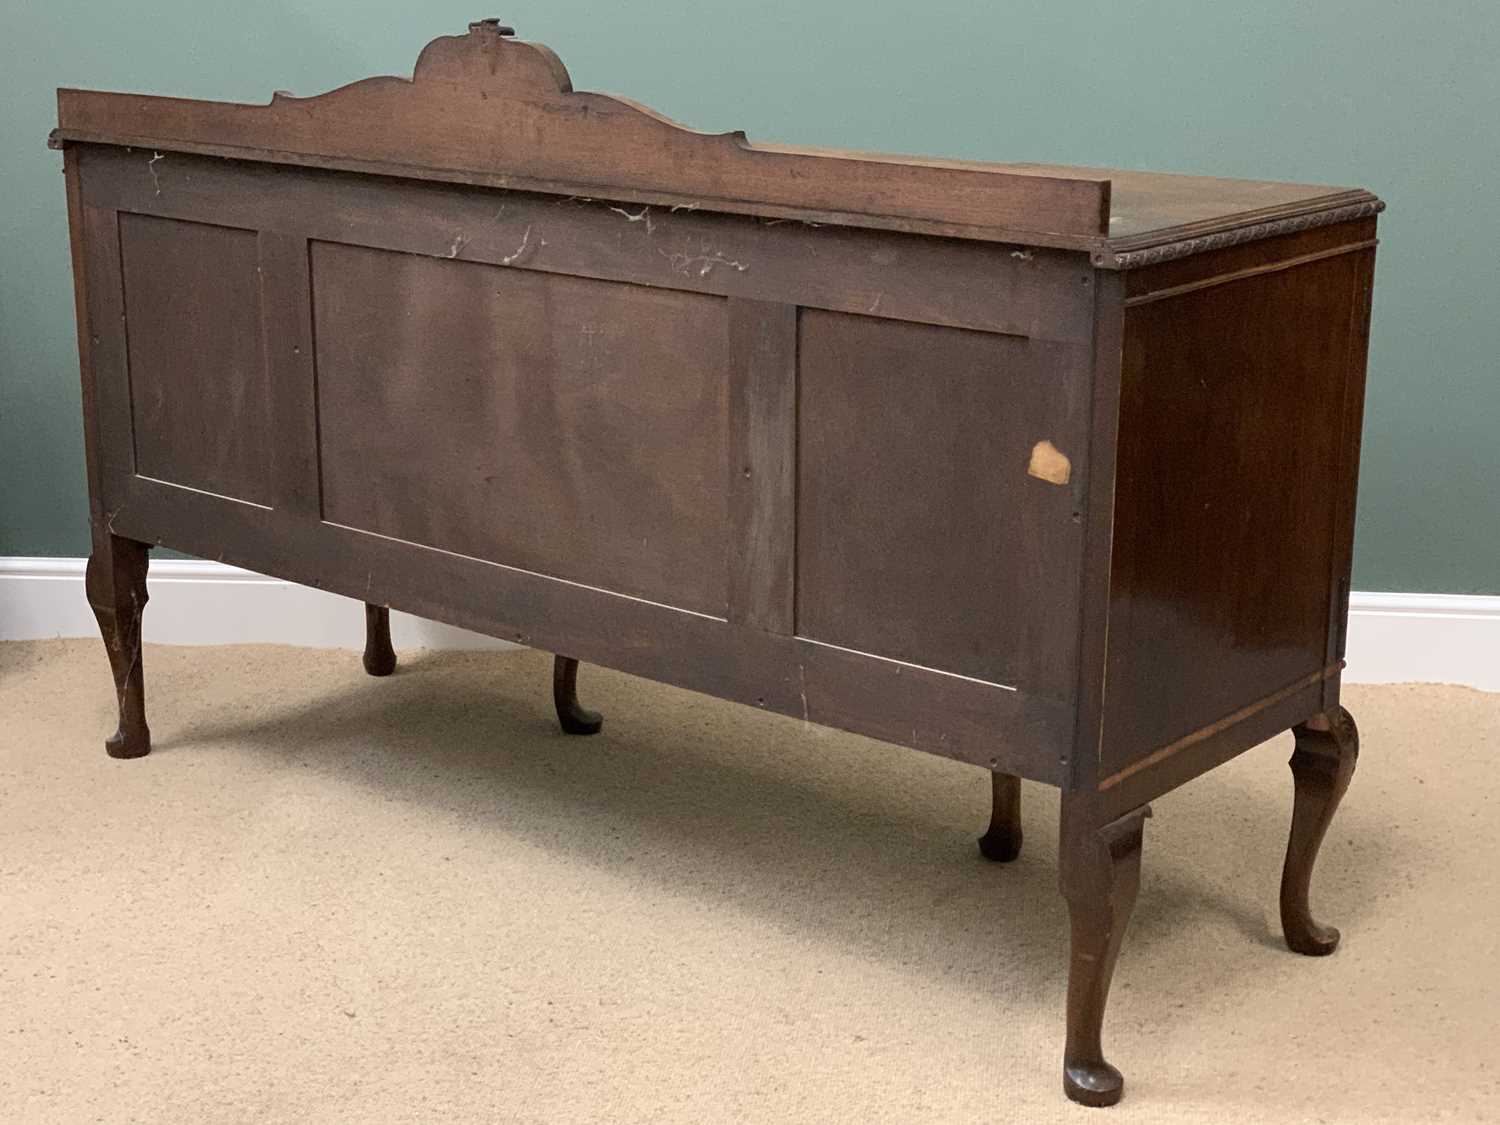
(762, 478)
(1323, 761)
(920, 534)
(287, 344)
(115, 583)
(1037, 293)
(1100, 877)
(1220, 586)
(561, 425)
(513, 102)
(488, 108)
(1014, 731)
(200, 411)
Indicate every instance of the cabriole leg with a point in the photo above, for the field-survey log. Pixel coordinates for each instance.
(380, 657)
(575, 719)
(115, 582)
(1322, 766)
(1002, 843)
(1101, 872)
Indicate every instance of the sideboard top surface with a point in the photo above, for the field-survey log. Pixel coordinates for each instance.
(487, 109)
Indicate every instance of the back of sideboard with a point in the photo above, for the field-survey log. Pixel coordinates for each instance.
(835, 473)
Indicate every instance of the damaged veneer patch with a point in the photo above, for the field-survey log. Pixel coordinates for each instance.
(1049, 463)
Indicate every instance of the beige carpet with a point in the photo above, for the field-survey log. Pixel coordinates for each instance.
(331, 898)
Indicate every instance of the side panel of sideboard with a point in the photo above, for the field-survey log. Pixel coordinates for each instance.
(1241, 396)
(783, 464)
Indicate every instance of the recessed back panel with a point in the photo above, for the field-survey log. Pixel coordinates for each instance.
(562, 425)
(198, 400)
(923, 531)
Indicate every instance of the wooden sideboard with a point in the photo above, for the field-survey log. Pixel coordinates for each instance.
(1049, 470)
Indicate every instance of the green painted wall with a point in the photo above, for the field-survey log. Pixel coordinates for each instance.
(1402, 98)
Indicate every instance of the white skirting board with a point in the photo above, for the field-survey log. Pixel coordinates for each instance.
(196, 602)
(1393, 638)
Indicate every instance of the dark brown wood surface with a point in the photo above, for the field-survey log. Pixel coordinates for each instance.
(572, 716)
(1031, 293)
(445, 123)
(563, 404)
(1231, 473)
(1327, 749)
(921, 534)
(198, 388)
(115, 584)
(911, 448)
(1100, 876)
(483, 108)
(379, 657)
(410, 429)
(762, 477)
(1001, 842)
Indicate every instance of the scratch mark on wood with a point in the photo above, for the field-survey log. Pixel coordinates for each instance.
(511, 259)
(461, 240)
(643, 217)
(703, 262)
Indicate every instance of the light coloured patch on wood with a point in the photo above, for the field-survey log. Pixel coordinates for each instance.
(1049, 463)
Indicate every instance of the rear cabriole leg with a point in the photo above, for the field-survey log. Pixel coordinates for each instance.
(380, 657)
(574, 718)
(1002, 843)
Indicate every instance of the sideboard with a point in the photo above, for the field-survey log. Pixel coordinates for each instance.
(1050, 470)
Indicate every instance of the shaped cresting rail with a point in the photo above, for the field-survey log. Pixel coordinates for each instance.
(485, 108)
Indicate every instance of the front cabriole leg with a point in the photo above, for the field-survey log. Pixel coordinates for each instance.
(1322, 766)
(574, 718)
(115, 582)
(1101, 872)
